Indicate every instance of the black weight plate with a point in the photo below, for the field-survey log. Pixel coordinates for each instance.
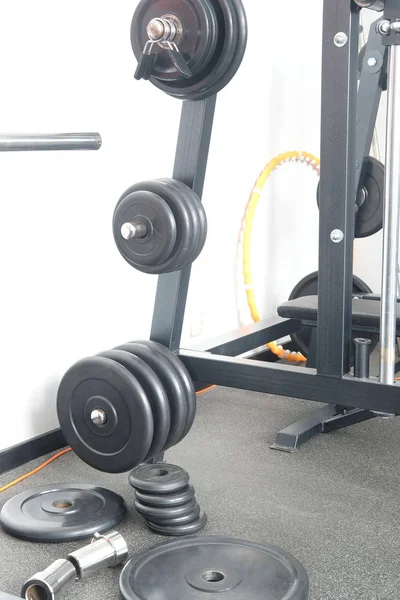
(173, 385)
(214, 566)
(175, 499)
(125, 439)
(196, 43)
(62, 512)
(156, 512)
(186, 380)
(369, 217)
(198, 215)
(160, 478)
(155, 392)
(151, 210)
(308, 286)
(188, 518)
(177, 530)
(220, 68)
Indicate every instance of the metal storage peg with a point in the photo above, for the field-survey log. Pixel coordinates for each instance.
(35, 142)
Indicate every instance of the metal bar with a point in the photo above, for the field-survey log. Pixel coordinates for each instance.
(391, 223)
(373, 75)
(190, 168)
(290, 438)
(346, 419)
(55, 141)
(290, 381)
(337, 212)
(250, 337)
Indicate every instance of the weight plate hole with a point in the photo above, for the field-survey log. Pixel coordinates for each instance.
(62, 504)
(213, 576)
(159, 472)
(36, 592)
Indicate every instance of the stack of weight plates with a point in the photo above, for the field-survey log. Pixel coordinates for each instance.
(165, 498)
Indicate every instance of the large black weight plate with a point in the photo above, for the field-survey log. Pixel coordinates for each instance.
(213, 44)
(186, 381)
(155, 393)
(177, 530)
(308, 286)
(175, 499)
(151, 210)
(369, 217)
(62, 512)
(160, 478)
(125, 438)
(370, 199)
(198, 215)
(156, 512)
(173, 385)
(214, 566)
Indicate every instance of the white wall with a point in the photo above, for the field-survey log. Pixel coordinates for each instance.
(65, 291)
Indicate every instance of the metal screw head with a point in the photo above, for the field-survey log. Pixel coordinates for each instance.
(98, 417)
(340, 39)
(337, 236)
(372, 62)
(128, 231)
(383, 27)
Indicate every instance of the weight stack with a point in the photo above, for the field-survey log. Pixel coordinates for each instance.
(166, 500)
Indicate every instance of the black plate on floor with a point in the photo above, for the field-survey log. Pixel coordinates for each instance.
(167, 499)
(160, 478)
(207, 567)
(62, 512)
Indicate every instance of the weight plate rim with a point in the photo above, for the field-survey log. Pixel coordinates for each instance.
(167, 499)
(152, 513)
(123, 245)
(26, 531)
(70, 383)
(136, 563)
(158, 406)
(174, 384)
(190, 395)
(180, 530)
(376, 171)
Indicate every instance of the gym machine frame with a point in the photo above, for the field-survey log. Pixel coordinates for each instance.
(347, 129)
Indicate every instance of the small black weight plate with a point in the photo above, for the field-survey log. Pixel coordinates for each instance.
(182, 520)
(186, 380)
(154, 213)
(308, 286)
(198, 216)
(101, 384)
(177, 530)
(223, 35)
(175, 499)
(213, 566)
(172, 383)
(62, 512)
(157, 512)
(369, 217)
(160, 478)
(155, 393)
(196, 43)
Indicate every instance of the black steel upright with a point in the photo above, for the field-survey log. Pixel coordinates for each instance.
(338, 191)
(190, 167)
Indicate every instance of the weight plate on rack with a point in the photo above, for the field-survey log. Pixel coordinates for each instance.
(157, 512)
(161, 478)
(308, 286)
(204, 567)
(158, 237)
(175, 499)
(370, 199)
(105, 415)
(62, 512)
(173, 385)
(155, 393)
(211, 38)
(185, 379)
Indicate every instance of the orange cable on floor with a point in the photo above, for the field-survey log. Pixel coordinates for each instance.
(50, 460)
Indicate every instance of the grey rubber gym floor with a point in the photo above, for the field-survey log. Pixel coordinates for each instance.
(335, 504)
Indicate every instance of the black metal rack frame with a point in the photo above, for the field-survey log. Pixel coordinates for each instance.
(347, 126)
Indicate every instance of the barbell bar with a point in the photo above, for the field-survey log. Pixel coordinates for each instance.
(35, 142)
